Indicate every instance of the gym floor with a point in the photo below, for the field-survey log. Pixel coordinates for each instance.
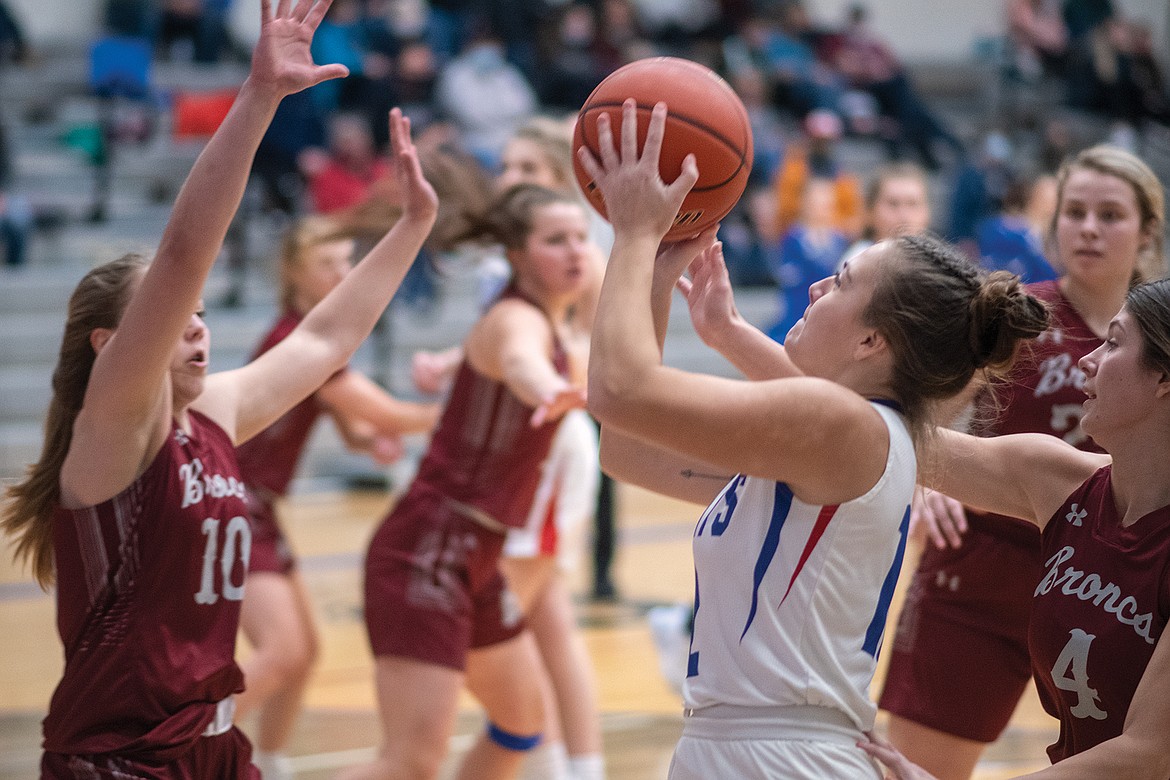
(641, 715)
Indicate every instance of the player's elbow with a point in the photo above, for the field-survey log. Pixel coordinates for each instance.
(613, 396)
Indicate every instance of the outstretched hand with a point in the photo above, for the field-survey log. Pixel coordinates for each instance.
(554, 406)
(709, 296)
(282, 60)
(637, 200)
(418, 198)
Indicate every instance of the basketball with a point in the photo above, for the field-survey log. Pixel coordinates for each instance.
(706, 118)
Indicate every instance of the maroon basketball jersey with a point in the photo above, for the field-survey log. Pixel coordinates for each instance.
(1098, 612)
(269, 459)
(149, 585)
(484, 453)
(1045, 393)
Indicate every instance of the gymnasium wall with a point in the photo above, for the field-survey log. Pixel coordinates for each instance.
(921, 30)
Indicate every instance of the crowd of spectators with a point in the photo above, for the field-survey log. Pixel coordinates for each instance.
(469, 72)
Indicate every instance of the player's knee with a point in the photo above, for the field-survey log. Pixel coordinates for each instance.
(295, 656)
(519, 743)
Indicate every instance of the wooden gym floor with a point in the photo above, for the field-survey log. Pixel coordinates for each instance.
(641, 715)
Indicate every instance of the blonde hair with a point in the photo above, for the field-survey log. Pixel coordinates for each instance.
(554, 142)
(98, 301)
(305, 233)
(1112, 161)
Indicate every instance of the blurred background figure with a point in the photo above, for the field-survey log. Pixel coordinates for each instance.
(809, 251)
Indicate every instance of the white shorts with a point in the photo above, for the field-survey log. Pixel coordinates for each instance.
(566, 498)
(796, 743)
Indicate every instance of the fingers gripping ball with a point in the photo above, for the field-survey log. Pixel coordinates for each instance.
(706, 119)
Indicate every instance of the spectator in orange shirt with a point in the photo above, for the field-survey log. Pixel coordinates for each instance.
(815, 156)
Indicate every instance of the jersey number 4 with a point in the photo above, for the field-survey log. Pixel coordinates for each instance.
(1070, 673)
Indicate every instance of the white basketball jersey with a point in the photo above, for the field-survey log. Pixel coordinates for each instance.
(791, 598)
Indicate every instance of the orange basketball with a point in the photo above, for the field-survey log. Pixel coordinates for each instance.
(706, 118)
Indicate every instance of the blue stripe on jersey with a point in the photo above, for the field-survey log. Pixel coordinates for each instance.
(693, 654)
(873, 635)
(781, 504)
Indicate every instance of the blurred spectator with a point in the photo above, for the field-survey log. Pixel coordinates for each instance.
(1146, 74)
(485, 96)
(815, 156)
(809, 251)
(1039, 39)
(766, 123)
(741, 230)
(1013, 239)
(677, 23)
(1113, 72)
(369, 89)
(1081, 17)
(343, 176)
(621, 39)
(772, 44)
(870, 65)
(573, 64)
(16, 222)
(133, 18)
(980, 188)
(297, 126)
(415, 71)
(13, 44)
(193, 29)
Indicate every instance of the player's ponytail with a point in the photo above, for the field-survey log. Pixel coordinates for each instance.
(97, 302)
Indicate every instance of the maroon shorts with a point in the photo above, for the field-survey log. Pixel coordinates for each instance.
(227, 755)
(433, 585)
(959, 658)
(270, 549)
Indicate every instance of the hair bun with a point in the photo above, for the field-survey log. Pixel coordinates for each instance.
(1002, 314)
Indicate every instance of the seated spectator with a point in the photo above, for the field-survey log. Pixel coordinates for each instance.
(416, 68)
(809, 251)
(369, 89)
(200, 25)
(773, 44)
(815, 156)
(485, 96)
(573, 65)
(870, 65)
(1038, 37)
(979, 189)
(621, 38)
(1013, 239)
(16, 222)
(342, 176)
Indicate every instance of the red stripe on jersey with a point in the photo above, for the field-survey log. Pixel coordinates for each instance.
(823, 518)
(548, 530)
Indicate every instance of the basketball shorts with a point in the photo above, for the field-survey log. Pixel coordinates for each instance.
(566, 498)
(433, 588)
(959, 658)
(224, 755)
(270, 549)
(759, 748)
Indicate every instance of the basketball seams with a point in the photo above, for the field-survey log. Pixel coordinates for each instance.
(721, 138)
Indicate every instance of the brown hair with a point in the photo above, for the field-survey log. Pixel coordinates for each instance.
(945, 319)
(98, 301)
(1149, 305)
(1112, 161)
(509, 220)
